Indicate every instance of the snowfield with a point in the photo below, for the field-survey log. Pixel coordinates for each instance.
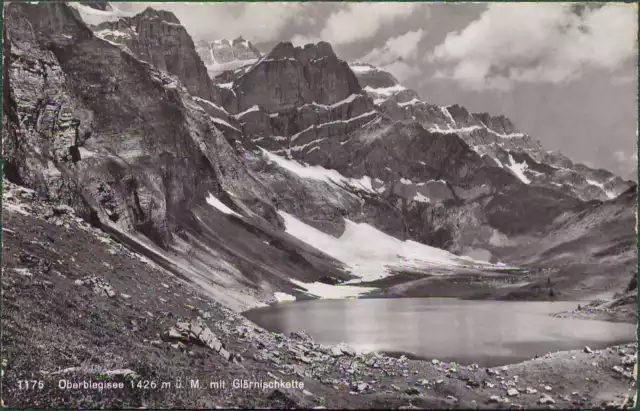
(319, 173)
(221, 206)
(369, 253)
(518, 169)
(361, 68)
(385, 91)
(332, 292)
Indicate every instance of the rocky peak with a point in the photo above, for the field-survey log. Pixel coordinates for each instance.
(152, 14)
(307, 53)
(157, 37)
(238, 41)
(501, 123)
(370, 76)
(290, 77)
(461, 115)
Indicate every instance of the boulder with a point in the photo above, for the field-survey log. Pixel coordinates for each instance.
(545, 399)
(197, 330)
(499, 400)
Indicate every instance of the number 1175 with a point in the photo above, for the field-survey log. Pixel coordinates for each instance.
(30, 384)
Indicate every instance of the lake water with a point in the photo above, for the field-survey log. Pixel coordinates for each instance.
(489, 333)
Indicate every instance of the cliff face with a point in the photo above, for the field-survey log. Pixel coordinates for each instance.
(289, 77)
(157, 37)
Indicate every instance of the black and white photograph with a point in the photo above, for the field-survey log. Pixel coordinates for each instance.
(319, 205)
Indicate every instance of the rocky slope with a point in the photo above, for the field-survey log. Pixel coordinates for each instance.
(131, 150)
(223, 55)
(104, 314)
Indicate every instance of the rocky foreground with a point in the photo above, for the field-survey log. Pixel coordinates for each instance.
(88, 323)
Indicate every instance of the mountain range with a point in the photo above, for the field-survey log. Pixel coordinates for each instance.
(254, 174)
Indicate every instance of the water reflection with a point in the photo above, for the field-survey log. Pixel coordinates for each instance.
(486, 332)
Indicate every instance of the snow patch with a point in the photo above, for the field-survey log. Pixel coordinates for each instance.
(249, 110)
(446, 112)
(224, 123)
(502, 135)
(221, 206)
(385, 91)
(360, 69)
(94, 16)
(302, 147)
(113, 33)
(319, 173)
(283, 297)
(450, 130)
(347, 100)
(364, 115)
(421, 199)
(518, 169)
(217, 107)
(609, 194)
(369, 253)
(335, 292)
(412, 102)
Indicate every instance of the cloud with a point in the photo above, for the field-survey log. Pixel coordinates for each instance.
(300, 40)
(360, 21)
(398, 56)
(402, 47)
(254, 21)
(627, 163)
(626, 157)
(623, 80)
(551, 43)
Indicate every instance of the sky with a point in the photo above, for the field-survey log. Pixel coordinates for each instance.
(563, 73)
